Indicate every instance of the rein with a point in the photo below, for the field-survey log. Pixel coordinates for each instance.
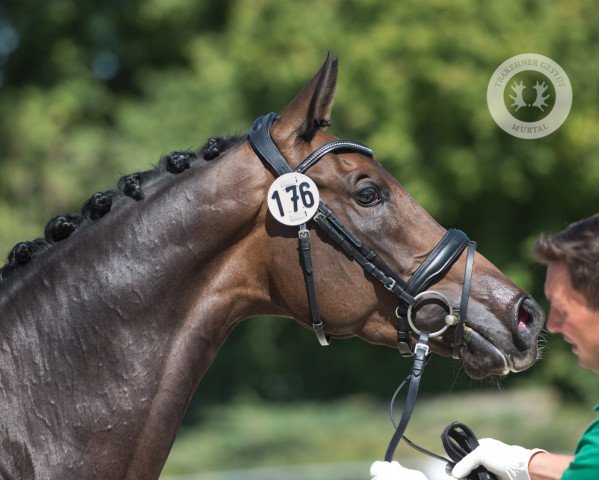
(410, 293)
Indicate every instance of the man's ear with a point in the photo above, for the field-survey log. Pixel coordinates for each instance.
(311, 108)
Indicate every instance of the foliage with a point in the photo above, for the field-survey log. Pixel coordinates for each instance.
(90, 90)
(249, 433)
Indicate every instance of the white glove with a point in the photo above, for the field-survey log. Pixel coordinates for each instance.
(394, 471)
(508, 462)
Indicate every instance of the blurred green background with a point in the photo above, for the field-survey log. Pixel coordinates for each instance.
(91, 90)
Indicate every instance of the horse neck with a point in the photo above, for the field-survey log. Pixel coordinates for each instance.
(116, 326)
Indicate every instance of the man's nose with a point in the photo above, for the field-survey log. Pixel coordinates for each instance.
(554, 321)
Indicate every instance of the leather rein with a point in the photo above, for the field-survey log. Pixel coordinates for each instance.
(410, 293)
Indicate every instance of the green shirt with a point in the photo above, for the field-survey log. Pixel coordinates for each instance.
(585, 465)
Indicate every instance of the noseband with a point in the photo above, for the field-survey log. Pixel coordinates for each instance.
(411, 293)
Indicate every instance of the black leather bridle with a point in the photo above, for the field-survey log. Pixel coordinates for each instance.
(410, 293)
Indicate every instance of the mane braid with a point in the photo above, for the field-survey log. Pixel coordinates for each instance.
(177, 162)
(99, 205)
(218, 145)
(62, 226)
(130, 185)
(22, 253)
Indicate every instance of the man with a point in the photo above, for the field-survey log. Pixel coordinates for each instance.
(572, 288)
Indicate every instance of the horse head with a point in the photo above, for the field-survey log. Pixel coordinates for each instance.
(502, 322)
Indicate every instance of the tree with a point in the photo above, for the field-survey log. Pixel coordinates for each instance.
(92, 90)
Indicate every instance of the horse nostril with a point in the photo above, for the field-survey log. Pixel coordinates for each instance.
(529, 320)
(524, 319)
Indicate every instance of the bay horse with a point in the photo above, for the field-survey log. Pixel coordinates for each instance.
(109, 323)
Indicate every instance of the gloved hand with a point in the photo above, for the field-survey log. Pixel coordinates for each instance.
(394, 471)
(507, 462)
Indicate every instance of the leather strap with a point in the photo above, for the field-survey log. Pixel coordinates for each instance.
(261, 141)
(420, 355)
(404, 337)
(349, 243)
(335, 146)
(445, 253)
(304, 248)
(259, 137)
(458, 441)
(438, 262)
(459, 329)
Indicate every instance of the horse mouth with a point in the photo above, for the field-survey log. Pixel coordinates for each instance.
(487, 352)
(480, 357)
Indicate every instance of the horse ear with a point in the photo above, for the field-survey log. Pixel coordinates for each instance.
(311, 108)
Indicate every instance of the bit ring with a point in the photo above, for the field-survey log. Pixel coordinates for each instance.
(450, 318)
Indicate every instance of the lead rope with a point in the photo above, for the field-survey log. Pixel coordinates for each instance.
(457, 439)
(421, 352)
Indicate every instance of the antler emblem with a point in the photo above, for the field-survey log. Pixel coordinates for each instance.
(518, 99)
(540, 100)
(519, 102)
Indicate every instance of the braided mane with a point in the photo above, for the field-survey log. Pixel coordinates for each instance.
(62, 226)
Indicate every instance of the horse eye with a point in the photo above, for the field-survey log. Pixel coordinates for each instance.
(368, 197)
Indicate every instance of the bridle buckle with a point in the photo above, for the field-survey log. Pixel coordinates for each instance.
(303, 232)
(421, 347)
(391, 285)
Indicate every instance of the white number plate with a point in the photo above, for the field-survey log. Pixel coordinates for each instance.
(293, 199)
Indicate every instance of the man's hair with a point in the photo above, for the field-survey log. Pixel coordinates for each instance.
(578, 247)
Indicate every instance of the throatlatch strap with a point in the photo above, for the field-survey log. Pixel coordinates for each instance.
(304, 248)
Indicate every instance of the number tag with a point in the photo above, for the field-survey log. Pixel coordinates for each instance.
(293, 199)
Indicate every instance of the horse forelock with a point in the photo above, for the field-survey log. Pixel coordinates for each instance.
(62, 226)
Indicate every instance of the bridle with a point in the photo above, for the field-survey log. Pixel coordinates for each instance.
(411, 293)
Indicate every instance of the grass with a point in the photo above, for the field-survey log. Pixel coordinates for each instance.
(252, 434)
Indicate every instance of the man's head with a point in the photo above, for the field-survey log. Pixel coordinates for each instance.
(572, 286)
